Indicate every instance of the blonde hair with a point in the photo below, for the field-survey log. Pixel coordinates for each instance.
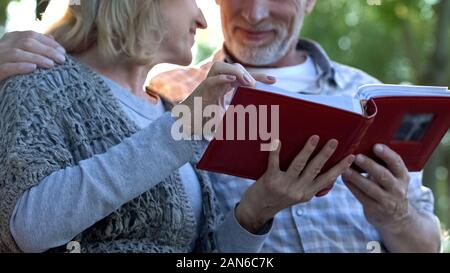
(132, 29)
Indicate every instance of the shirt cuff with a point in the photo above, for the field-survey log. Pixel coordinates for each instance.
(231, 237)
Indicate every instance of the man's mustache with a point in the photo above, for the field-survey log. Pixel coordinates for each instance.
(260, 27)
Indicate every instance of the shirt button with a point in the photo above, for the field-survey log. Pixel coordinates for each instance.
(299, 212)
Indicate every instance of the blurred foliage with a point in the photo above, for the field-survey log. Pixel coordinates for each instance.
(394, 40)
(203, 52)
(41, 6)
(446, 242)
(3, 5)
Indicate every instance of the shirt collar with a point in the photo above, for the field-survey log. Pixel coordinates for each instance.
(324, 65)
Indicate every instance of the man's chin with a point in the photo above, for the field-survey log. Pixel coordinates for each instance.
(255, 57)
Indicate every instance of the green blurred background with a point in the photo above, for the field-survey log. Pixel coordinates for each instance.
(397, 41)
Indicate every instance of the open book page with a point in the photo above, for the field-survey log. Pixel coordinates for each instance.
(347, 103)
(388, 90)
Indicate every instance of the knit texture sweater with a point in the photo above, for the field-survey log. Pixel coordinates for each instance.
(53, 119)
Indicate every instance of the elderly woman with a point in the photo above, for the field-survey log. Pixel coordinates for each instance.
(87, 155)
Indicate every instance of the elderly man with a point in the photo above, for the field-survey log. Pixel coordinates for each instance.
(389, 208)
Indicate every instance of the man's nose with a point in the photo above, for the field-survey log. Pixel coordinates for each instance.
(254, 11)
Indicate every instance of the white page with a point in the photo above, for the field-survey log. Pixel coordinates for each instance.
(387, 90)
(347, 103)
(365, 92)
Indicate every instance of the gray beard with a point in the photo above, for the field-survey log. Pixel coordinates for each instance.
(259, 56)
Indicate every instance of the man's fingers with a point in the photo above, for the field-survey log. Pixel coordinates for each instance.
(273, 164)
(9, 69)
(381, 175)
(315, 166)
(365, 200)
(300, 161)
(365, 185)
(328, 178)
(36, 47)
(22, 56)
(394, 162)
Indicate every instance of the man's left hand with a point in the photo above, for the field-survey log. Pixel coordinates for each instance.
(383, 193)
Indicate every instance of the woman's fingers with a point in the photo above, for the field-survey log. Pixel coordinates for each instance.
(218, 86)
(264, 78)
(242, 76)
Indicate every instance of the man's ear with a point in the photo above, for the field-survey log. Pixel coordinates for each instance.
(309, 5)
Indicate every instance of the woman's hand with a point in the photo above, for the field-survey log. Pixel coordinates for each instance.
(23, 52)
(277, 190)
(222, 78)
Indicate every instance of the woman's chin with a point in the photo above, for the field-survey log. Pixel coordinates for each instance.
(184, 61)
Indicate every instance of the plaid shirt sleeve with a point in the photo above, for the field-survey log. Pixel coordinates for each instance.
(175, 85)
(419, 196)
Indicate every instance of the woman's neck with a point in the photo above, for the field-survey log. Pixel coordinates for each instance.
(130, 76)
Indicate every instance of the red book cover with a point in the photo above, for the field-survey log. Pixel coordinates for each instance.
(411, 125)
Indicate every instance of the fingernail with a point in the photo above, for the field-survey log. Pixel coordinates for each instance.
(315, 140)
(359, 159)
(61, 58)
(270, 78)
(324, 192)
(49, 63)
(231, 78)
(30, 67)
(275, 145)
(333, 144)
(247, 79)
(61, 49)
(351, 159)
(379, 148)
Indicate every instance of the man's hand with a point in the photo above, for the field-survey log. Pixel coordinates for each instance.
(383, 193)
(277, 190)
(23, 52)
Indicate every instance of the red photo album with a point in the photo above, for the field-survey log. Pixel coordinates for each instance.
(411, 120)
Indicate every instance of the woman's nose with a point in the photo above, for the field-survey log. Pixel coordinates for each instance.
(201, 21)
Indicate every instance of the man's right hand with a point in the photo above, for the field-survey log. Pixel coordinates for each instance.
(23, 52)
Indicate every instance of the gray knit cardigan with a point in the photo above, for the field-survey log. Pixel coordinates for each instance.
(52, 119)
